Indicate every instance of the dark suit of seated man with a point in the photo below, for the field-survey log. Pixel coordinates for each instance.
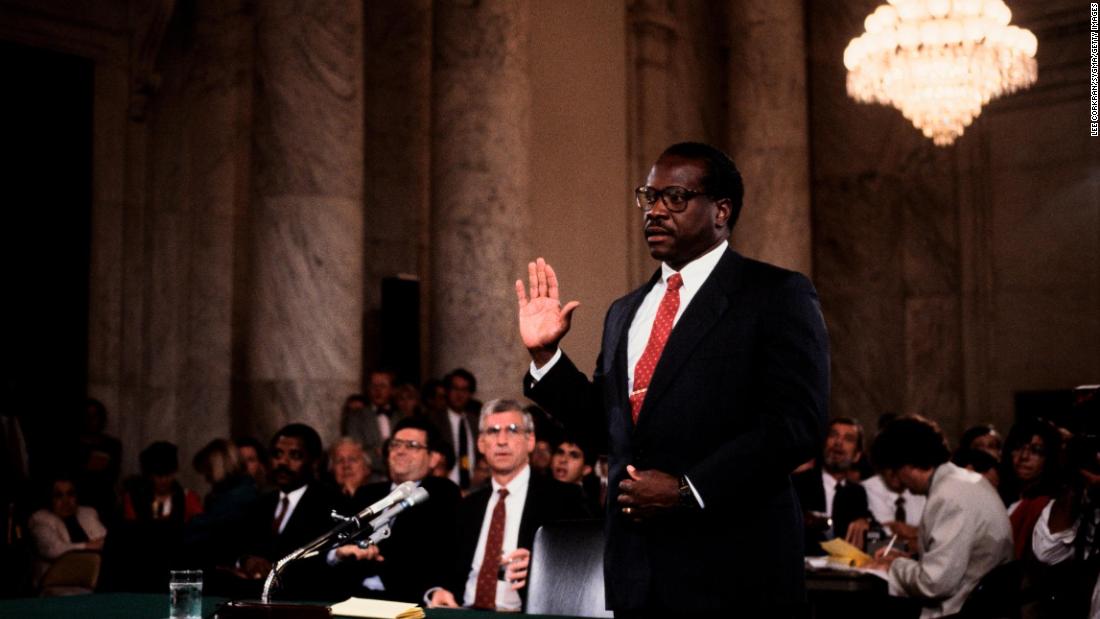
(420, 549)
(281, 521)
(487, 522)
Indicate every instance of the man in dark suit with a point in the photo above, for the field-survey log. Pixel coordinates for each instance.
(711, 387)
(487, 523)
(830, 495)
(371, 422)
(291, 516)
(420, 549)
(457, 424)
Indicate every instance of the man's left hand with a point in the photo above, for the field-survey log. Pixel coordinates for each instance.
(515, 569)
(647, 493)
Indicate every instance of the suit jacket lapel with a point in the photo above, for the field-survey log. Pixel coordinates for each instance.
(706, 309)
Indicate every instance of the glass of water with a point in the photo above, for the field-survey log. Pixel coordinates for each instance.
(185, 594)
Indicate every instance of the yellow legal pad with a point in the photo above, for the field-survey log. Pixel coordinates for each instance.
(844, 553)
(377, 609)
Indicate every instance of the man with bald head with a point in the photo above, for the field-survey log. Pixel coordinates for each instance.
(710, 388)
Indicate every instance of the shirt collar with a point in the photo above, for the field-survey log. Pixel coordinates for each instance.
(697, 271)
(518, 483)
(294, 495)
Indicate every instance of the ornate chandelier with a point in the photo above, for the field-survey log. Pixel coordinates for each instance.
(939, 61)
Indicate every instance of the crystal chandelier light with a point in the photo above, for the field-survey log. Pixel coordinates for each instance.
(939, 61)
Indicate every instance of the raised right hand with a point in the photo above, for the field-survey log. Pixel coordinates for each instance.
(543, 322)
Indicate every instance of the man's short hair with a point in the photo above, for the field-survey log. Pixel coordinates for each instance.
(722, 179)
(461, 373)
(311, 441)
(849, 421)
(504, 405)
(911, 440)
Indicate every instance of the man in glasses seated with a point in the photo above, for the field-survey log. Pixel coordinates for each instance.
(497, 524)
(420, 548)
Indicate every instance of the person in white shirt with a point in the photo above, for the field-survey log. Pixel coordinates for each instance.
(964, 529)
(63, 526)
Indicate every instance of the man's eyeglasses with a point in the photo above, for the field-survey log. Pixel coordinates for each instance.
(512, 429)
(396, 443)
(674, 198)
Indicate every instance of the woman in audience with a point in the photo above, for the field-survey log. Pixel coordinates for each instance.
(63, 525)
(1029, 476)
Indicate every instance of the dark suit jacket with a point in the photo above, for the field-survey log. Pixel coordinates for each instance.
(442, 423)
(420, 550)
(548, 500)
(737, 401)
(849, 503)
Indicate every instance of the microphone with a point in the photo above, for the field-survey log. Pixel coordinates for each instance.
(380, 526)
(400, 493)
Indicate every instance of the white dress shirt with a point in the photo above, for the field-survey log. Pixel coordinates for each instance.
(1051, 548)
(830, 483)
(507, 599)
(882, 502)
(292, 501)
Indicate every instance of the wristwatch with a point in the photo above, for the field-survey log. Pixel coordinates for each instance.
(687, 497)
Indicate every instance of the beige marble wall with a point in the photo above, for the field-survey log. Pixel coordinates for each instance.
(581, 204)
(768, 138)
(397, 100)
(481, 141)
(302, 288)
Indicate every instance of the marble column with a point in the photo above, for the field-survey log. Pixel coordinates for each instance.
(481, 139)
(769, 134)
(300, 290)
(651, 36)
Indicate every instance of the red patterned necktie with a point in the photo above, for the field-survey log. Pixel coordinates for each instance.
(662, 326)
(486, 593)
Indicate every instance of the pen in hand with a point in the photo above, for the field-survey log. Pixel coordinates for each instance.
(890, 546)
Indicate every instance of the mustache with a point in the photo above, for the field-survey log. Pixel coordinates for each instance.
(652, 227)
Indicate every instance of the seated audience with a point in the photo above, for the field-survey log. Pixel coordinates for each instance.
(209, 536)
(827, 492)
(350, 467)
(63, 525)
(497, 524)
(289, 517)
(1030, 476)
(253, 457)
(964, 530)
(433, 398)
(420, 548)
